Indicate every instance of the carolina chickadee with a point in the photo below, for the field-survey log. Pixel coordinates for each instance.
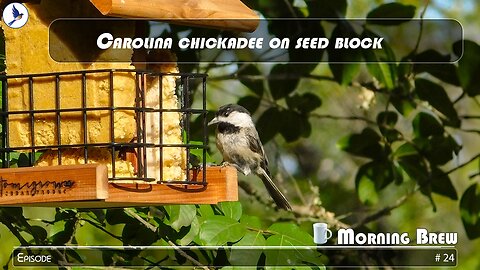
(238, 141)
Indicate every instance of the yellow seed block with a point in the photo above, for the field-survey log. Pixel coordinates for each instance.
(27, 52)
(32, 56)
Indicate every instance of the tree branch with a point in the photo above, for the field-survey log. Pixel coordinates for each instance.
(385, 211)
(472, 159)
(337, 117)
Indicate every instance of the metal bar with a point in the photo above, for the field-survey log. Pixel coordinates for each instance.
(123, 70)
(112, 122)
(57, 117)
(160, 94)
(186, 96)
(32, 120)
(193, 111)
(84, 114)
(138, 78)
(117, 145)
(144, 129)
(205, 131)
(5, 134)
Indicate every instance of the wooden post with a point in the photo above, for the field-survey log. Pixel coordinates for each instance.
(224, 14)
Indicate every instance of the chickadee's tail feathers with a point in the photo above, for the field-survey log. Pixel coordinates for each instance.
(274, 192)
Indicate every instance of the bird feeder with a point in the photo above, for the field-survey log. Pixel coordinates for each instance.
(101, 134)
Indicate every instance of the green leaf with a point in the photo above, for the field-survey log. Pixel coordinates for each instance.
(39, 233)
(250, 103)
(365, 144)
(280, 84)
(231, 209)
(220, 230)
(439, 149)
(327, 9)
(304, 103)
(344, 73)
(180, 215)
(387, 119)
(192, 233)
(248, 256)
(436, 96)
(385, 73)
(256, 86)
(290, 235)
(135, 233)
(205, 210)
(430, 61)
(117, 216)
(371, 178)
(251, 221)
(468, 66)
(268, 125)
(425, 125)
(401, 98)
(23, 160)
(470, 211)
(100, 214)
(365, 186)
(415, 167)
(294, 125)
(442, 185)
(406, 149)
(389, 12)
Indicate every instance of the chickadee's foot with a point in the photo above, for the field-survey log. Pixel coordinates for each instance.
(225, 164)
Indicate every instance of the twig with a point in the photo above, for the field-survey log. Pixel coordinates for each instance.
(420, 32)
(284, 76)
(385, 211)
(139, 218)
(474, 175)
(102, 229)
(337, 117)
(463, 164)
(248, 188)
(470, 130)
(459, 97)
(186, 256)
(469, 117)
(154, 229)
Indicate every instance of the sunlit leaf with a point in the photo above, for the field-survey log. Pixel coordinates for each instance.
(220, 230)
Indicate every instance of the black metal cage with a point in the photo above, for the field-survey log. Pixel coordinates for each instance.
(188, 85)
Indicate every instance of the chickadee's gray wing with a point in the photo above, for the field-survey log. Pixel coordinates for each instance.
(256, 146)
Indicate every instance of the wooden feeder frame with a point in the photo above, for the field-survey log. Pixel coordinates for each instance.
(88, 185)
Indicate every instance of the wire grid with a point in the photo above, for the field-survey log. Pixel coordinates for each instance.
(139, 146)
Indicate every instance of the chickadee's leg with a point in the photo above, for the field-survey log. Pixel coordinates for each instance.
(226, 163)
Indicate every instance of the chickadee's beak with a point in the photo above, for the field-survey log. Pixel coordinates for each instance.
(213, 122)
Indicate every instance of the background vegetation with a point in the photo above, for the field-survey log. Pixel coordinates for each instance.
(375, 147)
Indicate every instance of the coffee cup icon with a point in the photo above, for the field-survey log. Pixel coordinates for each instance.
(321, 233)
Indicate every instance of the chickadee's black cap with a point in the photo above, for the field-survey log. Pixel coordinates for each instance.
(225, 110)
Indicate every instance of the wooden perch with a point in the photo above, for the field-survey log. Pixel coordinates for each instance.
(88, 186)
(53, 184)
(223, 14)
